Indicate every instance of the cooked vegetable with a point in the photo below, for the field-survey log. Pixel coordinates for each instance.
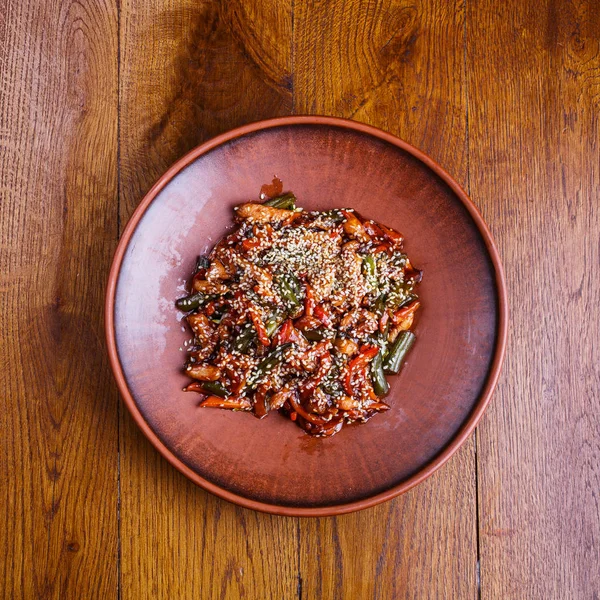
(300, 312)
(215, 388)
(289, 288)
(380, 385)
(398, 352)
(285, 201)
(190, 302)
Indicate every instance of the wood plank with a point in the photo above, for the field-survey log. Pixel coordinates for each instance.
(398, 66)
(188, 72)
(534, 90)
(58, 225)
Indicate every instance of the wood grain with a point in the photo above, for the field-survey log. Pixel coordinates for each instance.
(398, 66)
(534, 134)
(58, 185)
(189, 73)
(99, 97)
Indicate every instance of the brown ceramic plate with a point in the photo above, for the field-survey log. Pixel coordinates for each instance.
(445, 385)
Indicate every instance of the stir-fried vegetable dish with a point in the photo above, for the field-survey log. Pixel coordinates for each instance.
(301, 312)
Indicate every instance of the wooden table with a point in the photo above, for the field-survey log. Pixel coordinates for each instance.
(99, 97)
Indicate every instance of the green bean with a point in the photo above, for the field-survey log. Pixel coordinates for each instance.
(289, 288)
(369, 266)
(335, 215)
(380, 385)
(398, 351)
(268, 363)
(331, 383)
(190, 302)
(273, 322)
(286, 201)
(246, 337)
(215, 388)
(399, 295)
(379, 305)
(407, 300)
(399, 259)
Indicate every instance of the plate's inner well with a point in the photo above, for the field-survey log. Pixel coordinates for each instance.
(272, 460)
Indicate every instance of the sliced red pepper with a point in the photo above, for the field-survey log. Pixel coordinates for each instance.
(283, 333)
(401, 314)
(311, 418)
(230, 403)
(288, 333)
(261, 330)
(261, 404)
(379, 406)
(195, 386)
(358, 363)
(368, 351)
(250, 243)
(309, 301)
(306, 323)
(323, 315)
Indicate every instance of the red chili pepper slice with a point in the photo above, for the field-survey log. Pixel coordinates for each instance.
(309, 301)
(401, 314)
(261, 331)
(283, 333)
(261, 405)
(306, 323)
(356, 364)
(323, 316)
(250, 243)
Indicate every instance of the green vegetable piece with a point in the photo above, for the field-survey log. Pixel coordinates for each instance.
(289, 287)
(190, 302)
(379, 305)
(399, 295)
(245, 339)
(286, 201)
(335, 215)
(268, 363)
(407, 300)
(380, 385)
(215, 388)
(369, 266)
(273, 322)
(398, 352)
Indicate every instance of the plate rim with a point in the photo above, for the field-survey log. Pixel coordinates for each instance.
(457, 440)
